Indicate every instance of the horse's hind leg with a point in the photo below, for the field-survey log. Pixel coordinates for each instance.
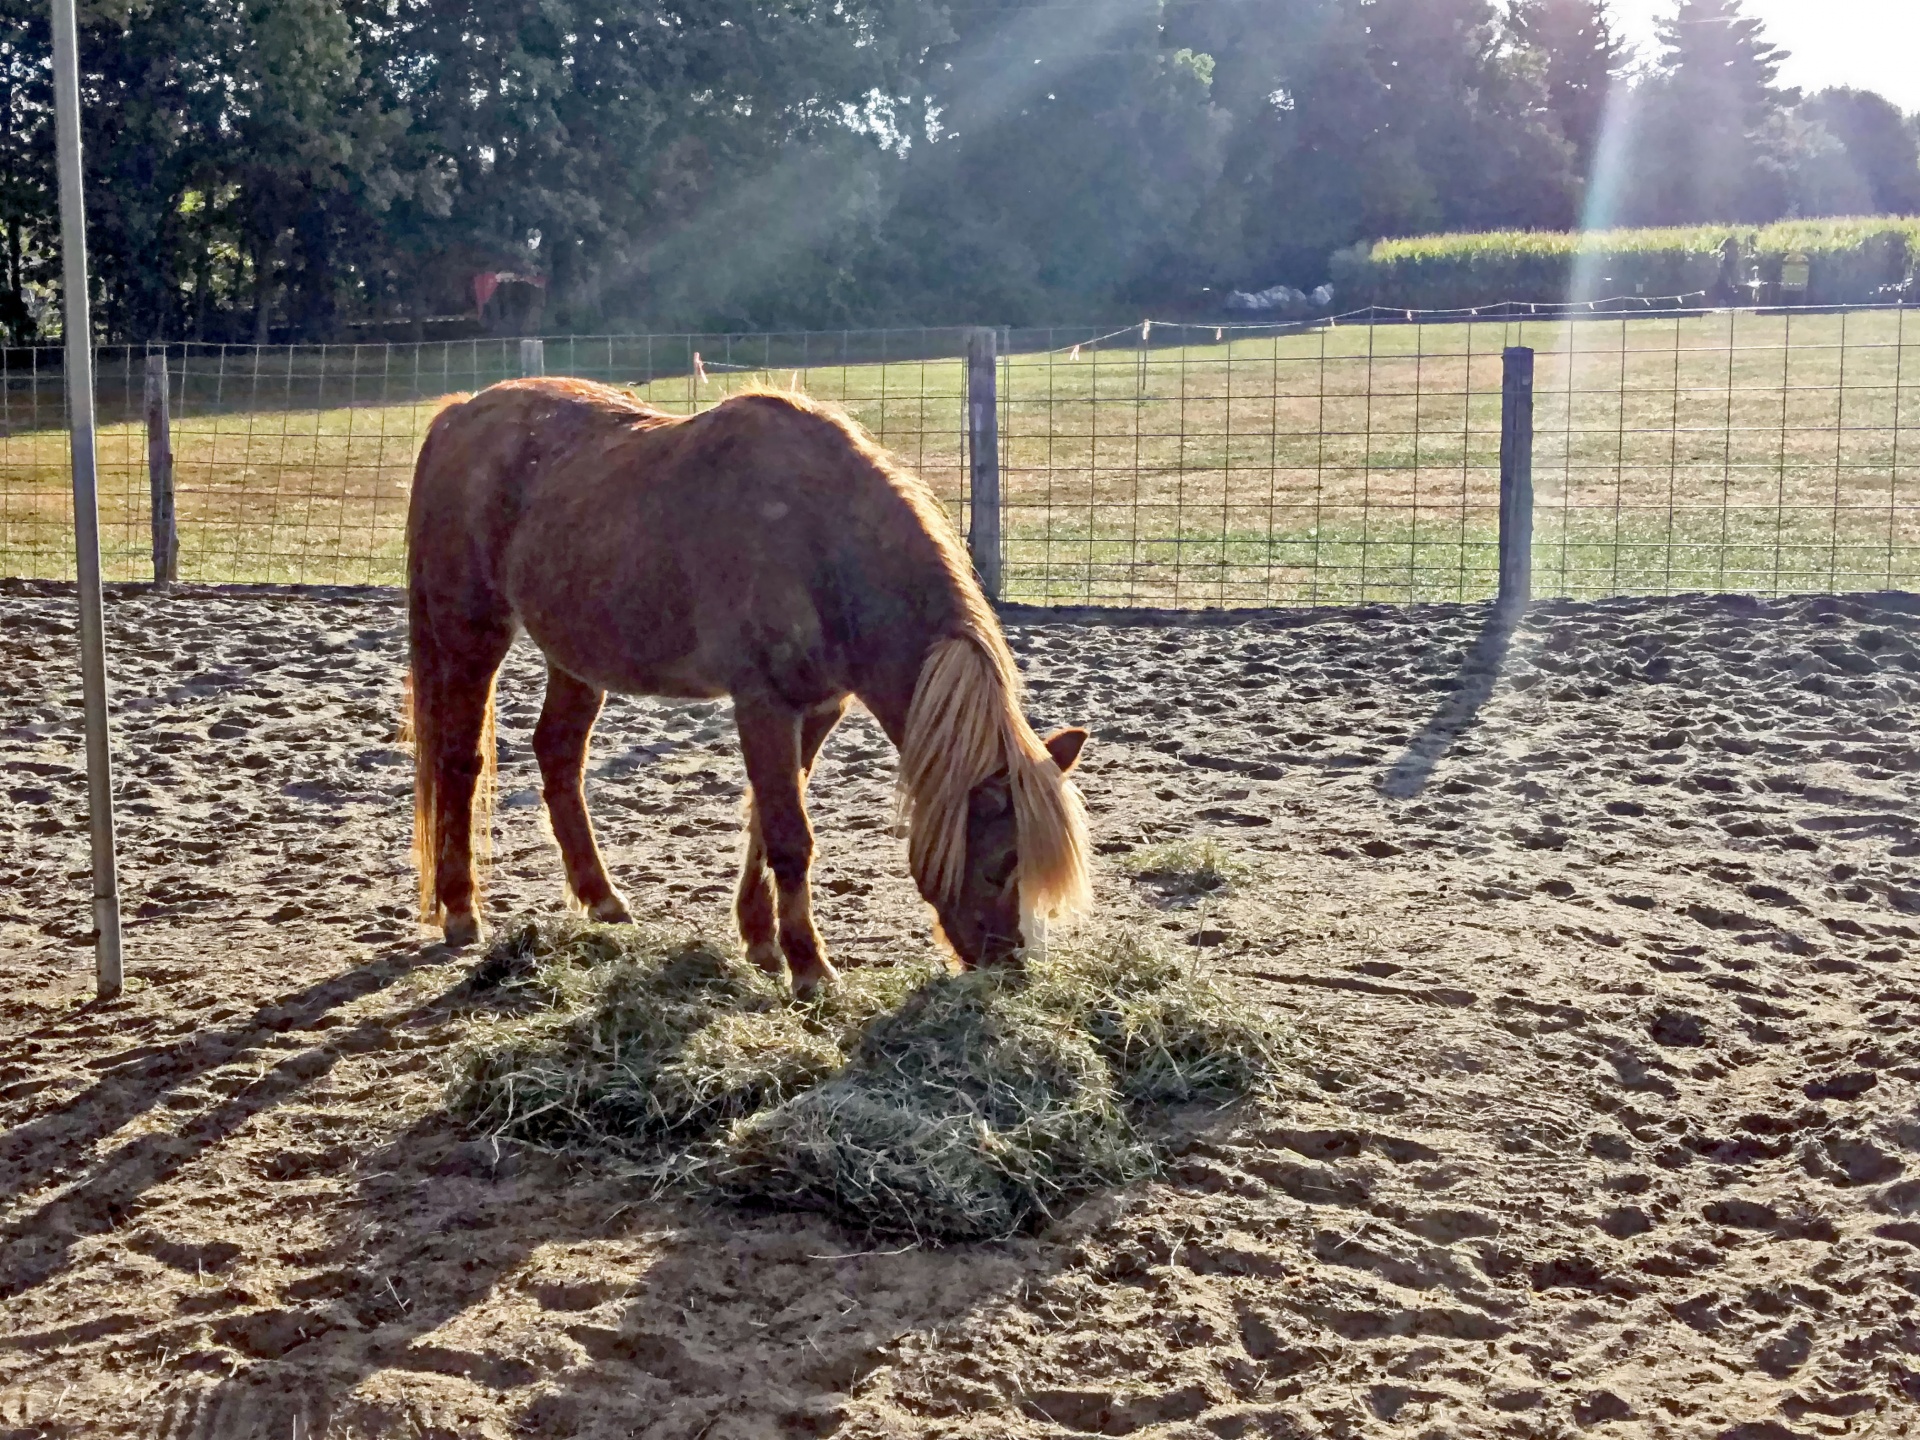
(770, 740)
(453, 716)
(754, 901)
(560, 745)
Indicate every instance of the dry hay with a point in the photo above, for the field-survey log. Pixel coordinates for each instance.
(904, 1101)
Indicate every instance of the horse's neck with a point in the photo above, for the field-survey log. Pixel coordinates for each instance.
(909, 602)
(889, 668)
(889, 675)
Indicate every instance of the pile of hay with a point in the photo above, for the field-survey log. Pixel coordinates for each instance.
(904, 1101)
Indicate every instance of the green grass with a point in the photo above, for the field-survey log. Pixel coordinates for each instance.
(1760, 452)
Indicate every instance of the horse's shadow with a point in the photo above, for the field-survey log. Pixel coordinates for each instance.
(570, 1301)
(62, 1140)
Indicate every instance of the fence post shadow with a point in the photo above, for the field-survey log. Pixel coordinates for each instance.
(1479, 672)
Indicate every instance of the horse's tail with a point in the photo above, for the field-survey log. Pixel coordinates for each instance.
(419, 726)
(415, 728)
(421, 722)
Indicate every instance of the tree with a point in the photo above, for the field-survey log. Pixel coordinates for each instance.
(309, 152)
(1354, 119)
(1066, 164)
(1580, 59)
(1879, 150)
(26, 164)
(616, 148)
(1707, 125)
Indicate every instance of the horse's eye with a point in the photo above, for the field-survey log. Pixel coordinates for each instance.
(1001, 870)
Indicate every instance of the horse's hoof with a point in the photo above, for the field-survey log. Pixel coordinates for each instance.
(611, 911)
(767, 956)
(810, 983)
(462, 931)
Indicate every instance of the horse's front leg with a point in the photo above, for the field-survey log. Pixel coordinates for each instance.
(770, 741)
(560, 745)
(754, 901)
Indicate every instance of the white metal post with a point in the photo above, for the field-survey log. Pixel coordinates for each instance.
(86, 504)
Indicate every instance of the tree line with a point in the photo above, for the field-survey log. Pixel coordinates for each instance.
(317, 169)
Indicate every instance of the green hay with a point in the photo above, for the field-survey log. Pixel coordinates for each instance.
(944, 1107)
(1187, 869)
(640, 1036)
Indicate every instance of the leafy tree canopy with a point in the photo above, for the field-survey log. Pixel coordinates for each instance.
(321, 169)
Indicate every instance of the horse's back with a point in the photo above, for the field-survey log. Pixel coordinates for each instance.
(654, 552)
(556, 451)
(483, 453)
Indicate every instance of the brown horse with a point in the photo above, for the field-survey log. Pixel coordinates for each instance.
(766, 550)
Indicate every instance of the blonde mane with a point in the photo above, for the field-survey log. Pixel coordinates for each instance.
(964, 726)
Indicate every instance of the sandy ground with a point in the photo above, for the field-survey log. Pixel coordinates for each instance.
(1606, 973)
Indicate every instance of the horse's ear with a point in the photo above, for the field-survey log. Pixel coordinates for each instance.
(1065, 747)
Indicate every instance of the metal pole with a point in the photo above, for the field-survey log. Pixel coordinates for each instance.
(983, 457)
(166, 538)
(1516, 477)
(86, 506)
(533, 357)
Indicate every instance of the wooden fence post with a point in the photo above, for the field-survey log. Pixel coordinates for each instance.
(166, 537)
(533, 357)
(983, 459)
(1516, 477)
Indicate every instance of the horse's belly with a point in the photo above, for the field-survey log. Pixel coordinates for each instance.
(619, 621)
(630, 653)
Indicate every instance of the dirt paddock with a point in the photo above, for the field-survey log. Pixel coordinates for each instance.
(1601, 939)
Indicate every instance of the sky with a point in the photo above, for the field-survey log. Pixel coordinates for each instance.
(1868, 44)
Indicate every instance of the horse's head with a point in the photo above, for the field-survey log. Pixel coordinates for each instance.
(983, 922)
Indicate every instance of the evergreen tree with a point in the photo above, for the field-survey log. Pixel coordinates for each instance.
(1708, 143)
(1580, 60)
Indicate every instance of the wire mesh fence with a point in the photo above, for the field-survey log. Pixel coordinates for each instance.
(293, 463)
(1728, 450)
(1173, 465)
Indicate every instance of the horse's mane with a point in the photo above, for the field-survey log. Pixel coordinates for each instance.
(965, 724)
(963, 727)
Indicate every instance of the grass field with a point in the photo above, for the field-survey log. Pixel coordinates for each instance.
(1725, 452)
